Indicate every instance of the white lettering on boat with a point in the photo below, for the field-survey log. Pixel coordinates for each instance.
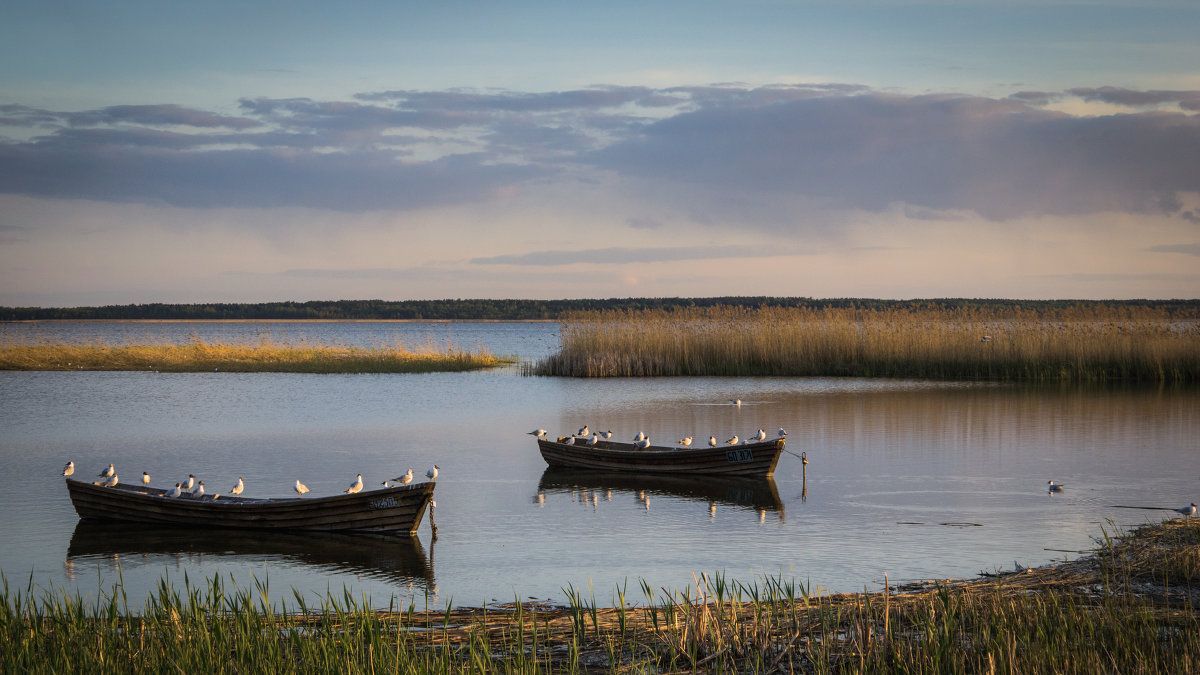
(740, 455)
(383, 503)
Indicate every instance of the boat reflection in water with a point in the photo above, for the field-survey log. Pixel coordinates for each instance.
(389, 558)
(758, 495)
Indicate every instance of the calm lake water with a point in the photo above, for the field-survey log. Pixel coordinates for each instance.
(912, 479)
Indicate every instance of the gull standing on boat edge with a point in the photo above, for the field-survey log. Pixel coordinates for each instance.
(432, 473)
(69, 468)
(237, 489)
(300, 488)
(356, 486)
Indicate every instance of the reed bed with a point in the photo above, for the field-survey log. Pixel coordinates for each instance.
(265, 356)
(1088, 344)
(1120, 610)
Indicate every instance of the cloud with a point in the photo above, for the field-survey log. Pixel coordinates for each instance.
(622, 255)
(1186, 249)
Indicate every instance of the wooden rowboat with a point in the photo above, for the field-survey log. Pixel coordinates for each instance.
(750, 459)
(396, 510)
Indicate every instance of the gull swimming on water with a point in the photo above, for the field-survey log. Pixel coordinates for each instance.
(237, 489)
(145, 478)
(712, 440)
(733, 441)
(356, 486)
(685, 441)
(109, 472)
(69, 469)
(538, 432)
(175, 492)
(1187, 511)
(1054, 487)
(300, 488)
(432, 473)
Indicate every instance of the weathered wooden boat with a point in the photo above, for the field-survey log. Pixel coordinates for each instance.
(751, 493)
(396, 510)
(749, 459)
(378, 556)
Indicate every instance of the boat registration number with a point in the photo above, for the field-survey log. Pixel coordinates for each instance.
(736, 456)
(383, 503)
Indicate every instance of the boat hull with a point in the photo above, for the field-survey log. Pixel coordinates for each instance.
(397, 510)
(750, 459)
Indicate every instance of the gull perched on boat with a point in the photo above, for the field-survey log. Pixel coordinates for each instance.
(685, 441)
(112, 481)
(1054, 487)
(594, 439)
(644, 443)
(762, 435)
(189, 483)
(432, 473)
(237, 489)
(538, 432)
(145, 478)
(69, 469)
(606, 434)
(300, 488)
(175, 492)
(733, 441)
(356, 486)
(782, 432)
(641, 436)
(570, 440)
(1187, 511)
(109, 472)
(403, 480)
(712, 440)
(199, 491)
(583, 431)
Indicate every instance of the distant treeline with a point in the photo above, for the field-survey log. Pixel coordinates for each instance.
(532, 310)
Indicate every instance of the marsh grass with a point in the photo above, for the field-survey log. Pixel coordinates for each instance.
(1084, 344)
(265, 356)
(1129, 607)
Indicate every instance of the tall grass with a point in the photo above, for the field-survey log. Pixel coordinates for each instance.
(1087, 344)
(265, 356)
(1131, 606)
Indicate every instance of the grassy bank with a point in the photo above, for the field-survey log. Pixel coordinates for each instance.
(199, 356)
(1131, 606)
(1094, 343)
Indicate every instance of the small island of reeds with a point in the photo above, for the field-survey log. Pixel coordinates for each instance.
(263, 357)
(1091, 343)
(1132, 606)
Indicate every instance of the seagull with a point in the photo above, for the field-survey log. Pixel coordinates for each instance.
(762, 435)
(644, 443)
(189, 483)
(594, 439)
(432, 473)
(69, 469)
(145, 478)
(112, 481)
(606, 434)
(583, 431)
(712, 440)
(733, 441)
(356, 486)
(403, 480)
(1187, 511)
(1055, 487)
(685, 441)
(640, 437)
(109, 472)
(199, 491)
(570, 440)
(538, 432)
(782, 433)
(237, 489)
(176, 492)
(300, 488)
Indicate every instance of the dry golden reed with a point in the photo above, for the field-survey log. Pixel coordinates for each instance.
(1083, 344)
(265, 356)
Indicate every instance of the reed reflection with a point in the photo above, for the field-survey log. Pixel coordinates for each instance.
(759, 495)
(396, 559)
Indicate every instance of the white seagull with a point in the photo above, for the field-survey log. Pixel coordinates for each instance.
(1187, 511)
(112, 481)
(538, 432)
(145, 478)
(641, 436)
(69, 469)
(594, 439)
(237, 489)
(1054, 487)
(189, 483)
(733, 441)
(583, 431)
(175, 492)
(606, 434)
(432, 473)
(356, 486)
(199, 491)
(762, 435)
(300, 488)
(685, 441)
(570, 440)
(405, 479)
(712, 440)
(782, 433)
(644, 443)
(109, 472)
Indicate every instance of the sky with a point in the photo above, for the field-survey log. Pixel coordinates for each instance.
(225, 151)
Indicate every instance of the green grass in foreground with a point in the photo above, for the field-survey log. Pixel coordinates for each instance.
(1092, 343)
(199, 356)
(1131, 606)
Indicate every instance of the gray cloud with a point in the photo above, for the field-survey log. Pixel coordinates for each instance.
(1188, 100)
(624, 255)
(1186, 249)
